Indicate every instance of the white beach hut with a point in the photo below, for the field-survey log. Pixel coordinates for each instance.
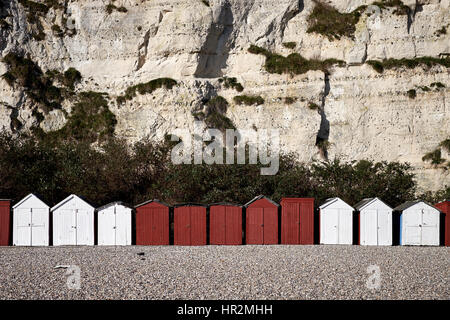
(336, 222)
(73, 222)
(418, 223)
(31, 222)
(114, 224)
(375, 222)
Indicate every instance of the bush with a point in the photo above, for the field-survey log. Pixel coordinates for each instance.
(434, 157)
(71, 77)
(293, 63)
(146, 88)
(437, 85)
(39, 86)
(248, 100)
(110, 8)
(290, 100)
(144, 171)
(289, 45)
(446, 144)
(400, 7)
(411, 93)
(313, 106)
(427, 62)
(90, 121)
(329, 22)
(231, 83)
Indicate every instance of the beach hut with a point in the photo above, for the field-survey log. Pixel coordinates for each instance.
(31, 222)
(297, 220)
(261, 221)
(5, 222)
(418, 224)
(152, 223)
(114, 224)
(336, 222)
(225, 224)
(444, 206)
(375, 222)
(190, 224)
(73, 222)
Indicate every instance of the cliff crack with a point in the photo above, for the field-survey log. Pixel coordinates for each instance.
(324, 130)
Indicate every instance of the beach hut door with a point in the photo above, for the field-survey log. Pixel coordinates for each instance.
(38, 227)
(23, 217)
(371, 227)
(430, 227)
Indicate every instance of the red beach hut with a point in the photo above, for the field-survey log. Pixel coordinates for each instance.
(152, 223)
(225, 224)
(261, 221)
(297, 220)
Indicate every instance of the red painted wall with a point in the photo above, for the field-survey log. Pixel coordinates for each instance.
(444, 206)
(297, 220)
(225, 225)
(152, 224)
(190, 226)
(262, 222)
(5, 220)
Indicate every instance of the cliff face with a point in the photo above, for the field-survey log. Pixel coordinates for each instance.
(360, 113)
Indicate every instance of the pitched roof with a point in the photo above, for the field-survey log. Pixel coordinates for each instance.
(72, 196)
(190, 204)
(150, 201)
(333, 200)
(259, 198)
(409, 204)
(225, 204)
(31, 195)
(364, 202)
(120, 203)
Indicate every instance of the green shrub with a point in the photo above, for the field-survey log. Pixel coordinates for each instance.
(110, 8)
(326, 20)
(411, 93)
(146, 88)
(400, 7)
(425, 88)
(441, 31)
(144, 171)
(289, 45)
(217, 104)
(438, 85)
(219, 121)
(122, 9)
(445, 144)
(71, 77)
(231, 83)
(313, 106)
(89, 121)
(290, 100)
(434, 157)
(428, 62)
(293, 63)
(248, 100)
(376, 65)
